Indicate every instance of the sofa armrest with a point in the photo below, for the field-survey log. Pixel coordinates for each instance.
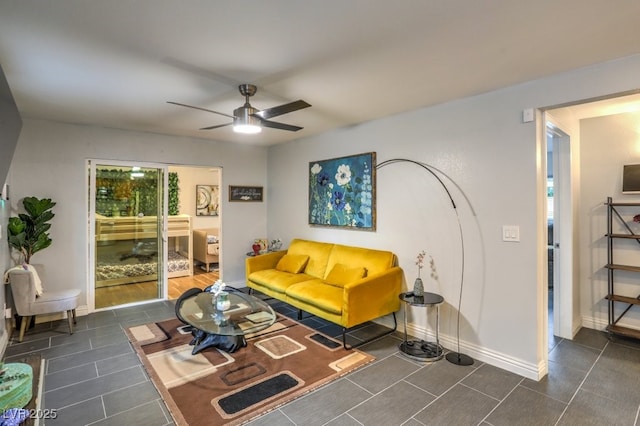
(263, 261)
(372, 297)
(199, 244)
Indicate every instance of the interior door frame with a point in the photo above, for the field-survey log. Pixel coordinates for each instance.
(90, 205)
(563, 250)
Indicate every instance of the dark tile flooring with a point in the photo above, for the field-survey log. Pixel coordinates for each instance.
(93, 377)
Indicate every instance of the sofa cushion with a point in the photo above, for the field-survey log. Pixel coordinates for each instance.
(317, 293)
(293, 263)
(374, 261)
(318, 255)
(341, 274)
(275, 280)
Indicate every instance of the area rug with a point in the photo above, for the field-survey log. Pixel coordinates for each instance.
(213, 387)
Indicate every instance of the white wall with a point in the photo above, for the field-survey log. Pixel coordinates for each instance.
(189, 177)
(50, 162)
(607, 143)
(482, 144)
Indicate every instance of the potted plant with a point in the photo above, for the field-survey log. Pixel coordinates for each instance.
(27, 233)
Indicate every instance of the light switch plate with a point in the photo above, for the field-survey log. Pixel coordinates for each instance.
(511, 233)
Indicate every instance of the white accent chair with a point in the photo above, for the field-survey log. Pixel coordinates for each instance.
(27, 303)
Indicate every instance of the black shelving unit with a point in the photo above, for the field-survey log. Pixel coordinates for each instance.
(616, 213)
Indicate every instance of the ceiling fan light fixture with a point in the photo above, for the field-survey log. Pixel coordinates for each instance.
(245, 122)
(249, 120)
(249, 129)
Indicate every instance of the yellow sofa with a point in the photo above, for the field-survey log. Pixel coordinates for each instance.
(343, 284)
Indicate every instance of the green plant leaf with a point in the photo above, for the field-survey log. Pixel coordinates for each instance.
(27, 232)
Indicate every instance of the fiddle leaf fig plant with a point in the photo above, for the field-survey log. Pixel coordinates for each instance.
(27, 232)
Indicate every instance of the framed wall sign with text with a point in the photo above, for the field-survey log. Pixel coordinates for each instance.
(245, 193)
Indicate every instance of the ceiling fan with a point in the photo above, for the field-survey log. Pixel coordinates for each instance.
(247, 119)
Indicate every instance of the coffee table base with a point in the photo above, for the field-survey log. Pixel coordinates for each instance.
(202, 340)
(420, 350)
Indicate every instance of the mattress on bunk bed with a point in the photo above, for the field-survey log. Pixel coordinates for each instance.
(115, 268)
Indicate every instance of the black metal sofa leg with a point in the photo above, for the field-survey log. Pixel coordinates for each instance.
(371, 339)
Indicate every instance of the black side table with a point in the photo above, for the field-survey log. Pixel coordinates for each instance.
(421, 350)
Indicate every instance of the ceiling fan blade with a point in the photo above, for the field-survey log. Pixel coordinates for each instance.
(280, 126)
(215, 127)
(282, 109)
(201, 109)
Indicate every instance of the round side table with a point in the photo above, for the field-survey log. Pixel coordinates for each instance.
(421, 350)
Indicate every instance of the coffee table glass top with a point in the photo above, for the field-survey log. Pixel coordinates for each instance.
(247, 314)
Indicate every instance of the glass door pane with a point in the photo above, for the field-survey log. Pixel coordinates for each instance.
(129, 247)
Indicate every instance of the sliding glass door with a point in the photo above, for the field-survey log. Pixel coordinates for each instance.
(127, 229)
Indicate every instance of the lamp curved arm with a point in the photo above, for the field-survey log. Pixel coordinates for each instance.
(457, 357)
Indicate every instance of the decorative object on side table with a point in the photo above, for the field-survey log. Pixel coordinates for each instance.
(275, 244)
(418, 286)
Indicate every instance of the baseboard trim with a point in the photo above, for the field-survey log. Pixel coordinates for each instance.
(496, 359)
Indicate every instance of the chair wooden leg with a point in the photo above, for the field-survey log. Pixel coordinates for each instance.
(74, 316)
(71, 319)
(23, 327)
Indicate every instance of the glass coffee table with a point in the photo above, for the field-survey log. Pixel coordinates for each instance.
(224, 329)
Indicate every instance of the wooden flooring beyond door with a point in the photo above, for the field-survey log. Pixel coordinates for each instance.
(129, 293)
(177, 286)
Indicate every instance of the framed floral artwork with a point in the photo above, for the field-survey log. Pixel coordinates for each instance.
(342, 192)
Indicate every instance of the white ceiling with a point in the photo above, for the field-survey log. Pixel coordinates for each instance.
(115, 63)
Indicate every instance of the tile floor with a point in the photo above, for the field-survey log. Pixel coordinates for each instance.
(93, 377)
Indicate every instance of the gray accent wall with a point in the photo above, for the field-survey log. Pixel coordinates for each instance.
(495, 168)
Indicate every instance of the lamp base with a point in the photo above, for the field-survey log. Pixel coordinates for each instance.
(459, 359)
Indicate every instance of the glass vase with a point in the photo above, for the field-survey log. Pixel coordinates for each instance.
(222, 301)
(418, 288)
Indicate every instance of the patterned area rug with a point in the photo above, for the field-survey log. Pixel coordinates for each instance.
(213, 387)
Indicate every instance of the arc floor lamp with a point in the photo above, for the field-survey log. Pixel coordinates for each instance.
(453, 357)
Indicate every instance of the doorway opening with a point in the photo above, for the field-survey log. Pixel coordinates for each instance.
(142, 219)
(559, 221)
(568, 153)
